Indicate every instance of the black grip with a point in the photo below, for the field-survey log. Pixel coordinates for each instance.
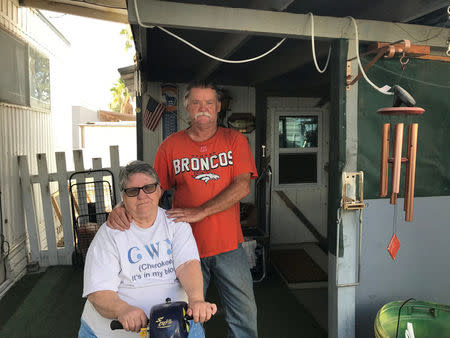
(220, 312)
(116, 325)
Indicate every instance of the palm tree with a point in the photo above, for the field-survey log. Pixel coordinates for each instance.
(129, 43)
(121, 97)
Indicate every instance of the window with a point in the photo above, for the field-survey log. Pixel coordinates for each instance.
(25, 78)
(297, 168)
(298, 145)
(14, 77)
(298, 132)
(39, 80)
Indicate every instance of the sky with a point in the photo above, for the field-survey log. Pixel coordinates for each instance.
(97, 50)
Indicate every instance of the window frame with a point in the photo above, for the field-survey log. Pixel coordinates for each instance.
(29, 101)
(313, 150)
(35, 102)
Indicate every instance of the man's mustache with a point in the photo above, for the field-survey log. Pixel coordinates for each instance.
(202, 113)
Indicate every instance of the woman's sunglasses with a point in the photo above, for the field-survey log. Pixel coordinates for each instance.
(134, 191)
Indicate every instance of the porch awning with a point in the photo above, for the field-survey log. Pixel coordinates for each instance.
(109, 10)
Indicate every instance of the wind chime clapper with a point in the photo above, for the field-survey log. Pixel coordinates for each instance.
(400, 96)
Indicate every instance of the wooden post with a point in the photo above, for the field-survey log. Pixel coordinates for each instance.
(27, 197)
(62, 178)
(47, 208)
(384, 167)
(80, 188)
(412, 171)
(98, 187)
(115, 169)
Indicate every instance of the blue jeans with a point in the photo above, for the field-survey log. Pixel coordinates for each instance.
(235, 286)
(85, 331)
(195, 330)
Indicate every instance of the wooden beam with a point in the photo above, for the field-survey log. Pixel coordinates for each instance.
(224, 49)
(56, 207)
(108, 116)
(281, 24)
(80, 9)
(287, 60)
(434, 58)
(233, 42)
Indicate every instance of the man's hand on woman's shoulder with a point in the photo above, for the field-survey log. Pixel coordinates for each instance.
(119, 218)
(188, 215)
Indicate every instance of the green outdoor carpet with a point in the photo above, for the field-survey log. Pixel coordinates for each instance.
(279, 313)
(49, 305)
(297, 266)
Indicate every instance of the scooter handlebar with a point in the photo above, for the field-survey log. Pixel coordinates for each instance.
(116, 325)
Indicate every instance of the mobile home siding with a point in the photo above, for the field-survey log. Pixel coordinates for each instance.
(24, 131)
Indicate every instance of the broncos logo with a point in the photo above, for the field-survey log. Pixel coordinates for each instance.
(207, 177)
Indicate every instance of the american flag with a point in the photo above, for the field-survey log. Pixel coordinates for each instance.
(153, 113)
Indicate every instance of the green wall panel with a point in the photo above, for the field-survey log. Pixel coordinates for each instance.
(429, 83)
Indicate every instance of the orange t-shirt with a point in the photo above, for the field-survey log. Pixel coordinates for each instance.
(199, 171)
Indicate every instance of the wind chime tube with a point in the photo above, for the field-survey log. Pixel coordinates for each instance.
(393, 199)
(407, 168)
(384, 167)
(397, 161)
(411, 172)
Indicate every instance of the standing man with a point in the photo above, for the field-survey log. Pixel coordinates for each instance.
(210, 169)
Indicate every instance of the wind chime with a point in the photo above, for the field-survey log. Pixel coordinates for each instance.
(400, 97)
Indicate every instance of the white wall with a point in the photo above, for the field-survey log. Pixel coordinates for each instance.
(100, 136)
(81, 115)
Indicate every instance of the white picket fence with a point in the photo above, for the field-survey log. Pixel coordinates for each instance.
(51, 254)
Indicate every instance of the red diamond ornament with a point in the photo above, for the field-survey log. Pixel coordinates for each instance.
(393, 247)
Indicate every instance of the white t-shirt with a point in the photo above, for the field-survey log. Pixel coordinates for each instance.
(139, 264)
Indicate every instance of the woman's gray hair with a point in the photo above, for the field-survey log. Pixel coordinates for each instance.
(201, 84)
(136, 167)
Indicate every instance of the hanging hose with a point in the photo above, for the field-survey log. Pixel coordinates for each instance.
(314, 48)
(201, 50)
(359, 61)
(399, 311)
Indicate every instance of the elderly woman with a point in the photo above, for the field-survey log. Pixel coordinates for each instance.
(127, 272)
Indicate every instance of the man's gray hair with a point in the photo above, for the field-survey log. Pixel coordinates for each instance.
(136, 167)
(200, 84)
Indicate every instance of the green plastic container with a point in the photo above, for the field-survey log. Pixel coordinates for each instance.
(428, 319)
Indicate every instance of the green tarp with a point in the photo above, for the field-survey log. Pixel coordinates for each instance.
(429, 83)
